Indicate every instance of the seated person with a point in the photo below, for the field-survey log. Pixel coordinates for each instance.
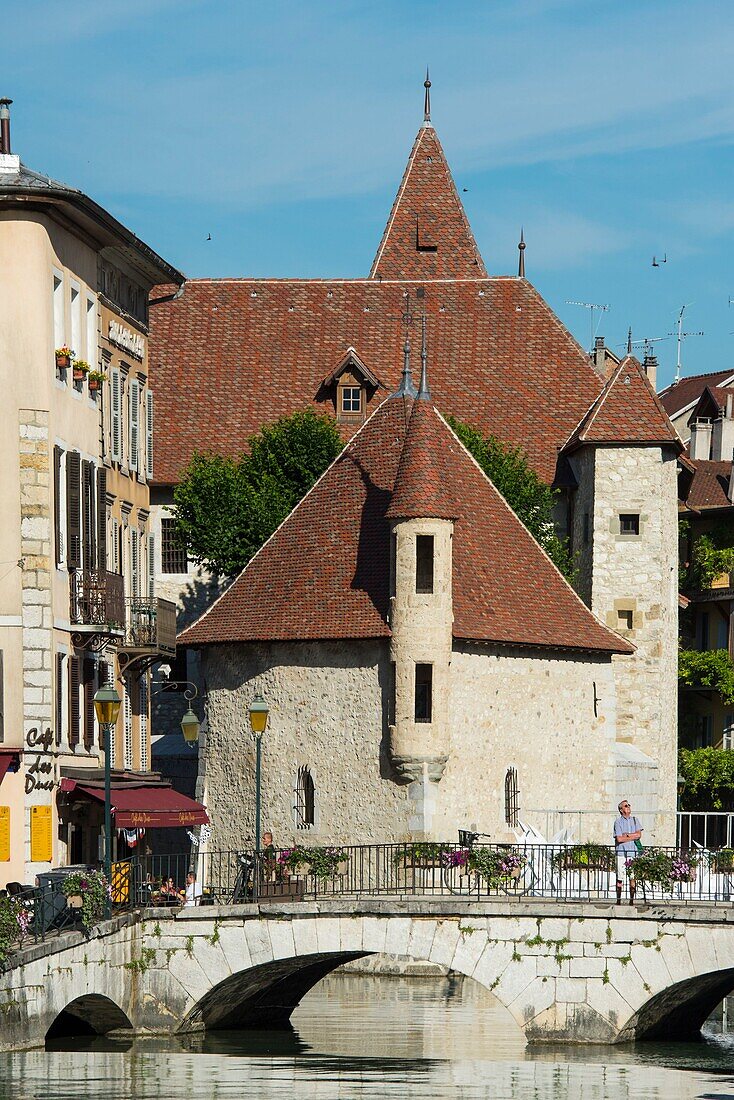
(192, 894)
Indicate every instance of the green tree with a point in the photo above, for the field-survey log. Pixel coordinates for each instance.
(226, 508)
(709, 778)
(708, 668)
(529, 497)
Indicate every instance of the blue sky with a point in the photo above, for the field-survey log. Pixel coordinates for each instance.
(282, 130)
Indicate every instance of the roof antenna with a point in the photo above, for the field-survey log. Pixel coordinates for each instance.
(521, 247)
(427, 100)
(424, 394)
(406, 387)
(629, 340)
(680, 336)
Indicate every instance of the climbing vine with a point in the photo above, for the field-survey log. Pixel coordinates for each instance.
(709, 779)
(711, 668)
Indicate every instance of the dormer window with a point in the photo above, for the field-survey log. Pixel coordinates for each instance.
(350, 386)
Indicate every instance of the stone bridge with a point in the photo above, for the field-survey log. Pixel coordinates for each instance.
(583, 973)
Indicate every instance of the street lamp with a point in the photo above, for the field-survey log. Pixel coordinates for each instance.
(258, 713)
(107, 707)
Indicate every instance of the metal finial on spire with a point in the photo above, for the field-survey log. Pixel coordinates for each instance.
(406, 387)
(427, 100)
(522, 246)
(629, 340)
(424, 394)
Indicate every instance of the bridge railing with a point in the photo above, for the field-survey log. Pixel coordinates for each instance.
(586, 872)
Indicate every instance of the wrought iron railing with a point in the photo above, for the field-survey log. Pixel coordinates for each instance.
(151, 624)
(97, 598)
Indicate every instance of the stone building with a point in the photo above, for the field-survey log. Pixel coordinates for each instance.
(427, 666)
(503, 363)
(77, 607)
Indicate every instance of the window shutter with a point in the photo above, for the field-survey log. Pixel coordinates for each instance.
(73, 510)
(88, 705)
(134, 563)
(59, 696)
(58, 547)
(151, 566)
(102, 518)
(144, 754)
(134, 462)
(104, 679)
(115, 427)
(115, 547)
(89, 531)
(127, 711)
(73, 701)
(149, 434)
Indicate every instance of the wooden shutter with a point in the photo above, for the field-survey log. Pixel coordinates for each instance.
(73, 701)
(58, 547)
(88, 672)
(89, 530)
(115, 417)
(102, 518)
(134, 459)
(151, 566)
(59, 686)
(73, 510)
(149, 434)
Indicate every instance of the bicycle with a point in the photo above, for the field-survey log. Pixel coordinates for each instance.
(504, 867)
(244, 882)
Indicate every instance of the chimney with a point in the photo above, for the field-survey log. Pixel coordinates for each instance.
(700, 444)
(5, 126)
(599, 354)
(650, 366)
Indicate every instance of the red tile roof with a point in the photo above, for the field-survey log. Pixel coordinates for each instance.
(711, 402)
(325, 572)
(421, 488)
(230, 355)
(709, 485)
(427, 234)
(681, 394)
(626, 411)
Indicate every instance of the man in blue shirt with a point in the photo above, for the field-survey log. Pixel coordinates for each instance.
(627, 830)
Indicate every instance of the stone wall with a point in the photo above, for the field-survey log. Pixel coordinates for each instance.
(639, 574)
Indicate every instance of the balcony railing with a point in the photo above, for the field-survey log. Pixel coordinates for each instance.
(97, 598)
(151, 625)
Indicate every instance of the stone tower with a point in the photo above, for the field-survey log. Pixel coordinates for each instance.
(624, 531)
(421, 619)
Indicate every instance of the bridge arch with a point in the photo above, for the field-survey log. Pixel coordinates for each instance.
(90, 1014)
(680, 1010)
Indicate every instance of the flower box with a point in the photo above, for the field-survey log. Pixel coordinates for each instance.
(94, 384)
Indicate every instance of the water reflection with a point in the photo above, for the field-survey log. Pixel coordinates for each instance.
(368, 1038)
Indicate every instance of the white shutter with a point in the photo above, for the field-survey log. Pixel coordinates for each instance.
(115, 557)
(128, 722)
(151, 567)
(149, 434)
(144, 763)
(116, 421)
(134, 459)
(134, 563)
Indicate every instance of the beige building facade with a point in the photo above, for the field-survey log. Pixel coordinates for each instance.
(74, 540)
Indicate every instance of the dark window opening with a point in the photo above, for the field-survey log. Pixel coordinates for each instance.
(625, 620)
(424, 563)
(305, 799)
(423, 693)
(511, 798)
(586, 528)
(173, 549)
(629, 523)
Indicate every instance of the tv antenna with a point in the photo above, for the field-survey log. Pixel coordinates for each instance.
(648, 342)
(680, 336)
(591, 306)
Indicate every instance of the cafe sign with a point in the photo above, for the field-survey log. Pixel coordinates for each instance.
(125, 338)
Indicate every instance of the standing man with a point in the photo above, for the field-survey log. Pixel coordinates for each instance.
(192, 895)
(627, 830)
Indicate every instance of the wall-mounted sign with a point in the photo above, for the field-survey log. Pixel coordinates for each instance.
(4, 834)
(41, 836)
(39, 776)
(125, 338)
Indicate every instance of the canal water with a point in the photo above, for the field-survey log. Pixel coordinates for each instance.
(359, 1036)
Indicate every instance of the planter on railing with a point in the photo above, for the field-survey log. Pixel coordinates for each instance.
(80, 370)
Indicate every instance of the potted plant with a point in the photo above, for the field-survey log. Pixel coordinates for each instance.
(95, 378)
(585, 857)
(64, 355)
(722, 862)
(496, 866)
(419, 854)
(653, 867)
(81, 369)
(92, 888)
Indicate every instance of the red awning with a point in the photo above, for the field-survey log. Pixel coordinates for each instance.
(9, 758)
(145, 807)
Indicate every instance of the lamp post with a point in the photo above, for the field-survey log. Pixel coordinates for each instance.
(258, 713)
(107, 707)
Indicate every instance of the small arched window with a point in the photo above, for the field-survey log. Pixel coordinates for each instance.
(511, 798)
(305, 799)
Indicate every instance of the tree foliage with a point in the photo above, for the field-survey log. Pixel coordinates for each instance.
(529, 497)
(226, 508)
(709, 779)
(710, 668)
(712, 554)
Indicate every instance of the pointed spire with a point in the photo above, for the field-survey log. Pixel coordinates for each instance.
(424, 394)
(427, 100)
(629, 340)
(406, 387)
(521, 248)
